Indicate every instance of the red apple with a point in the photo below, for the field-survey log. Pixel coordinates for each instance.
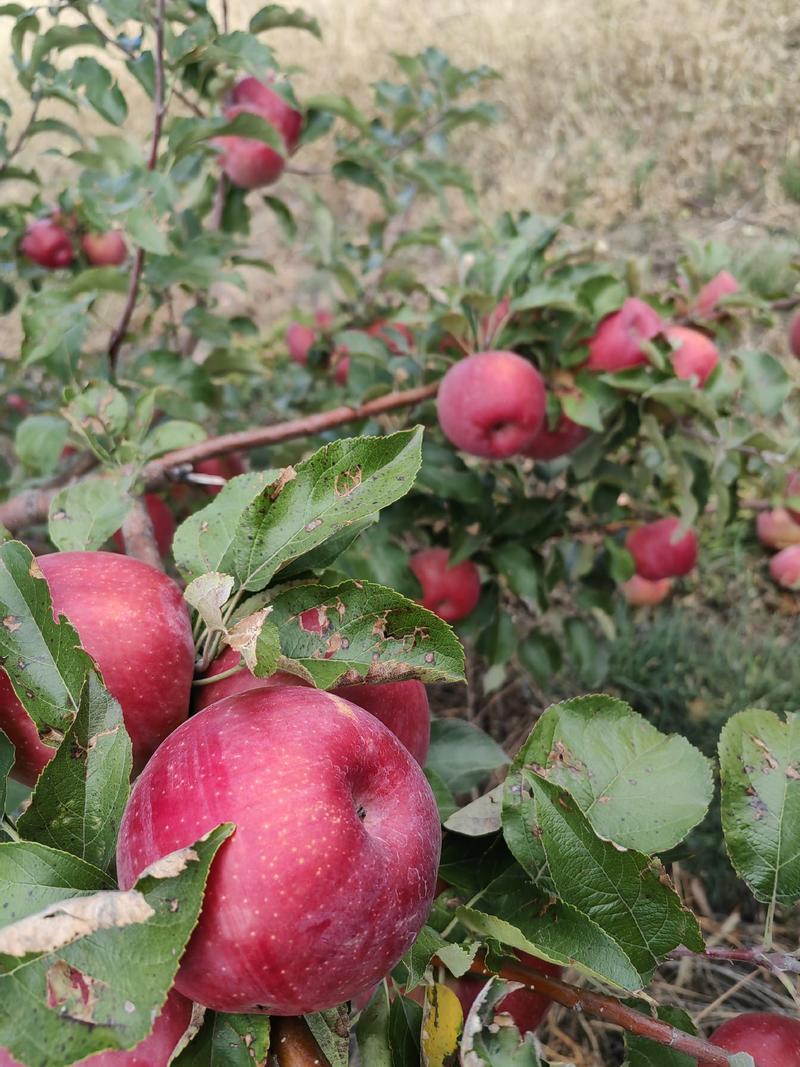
(397, 337)
(47, 244)
(694, 354)
(247, 162)
(134, 623)
(792, 491)
(261, 99)
(722, 284)
(772, 1040)
(525, 1007)
(105, 249)
(794, 335)
(331, 870)
(400, 706)
(659, 553)
(492, 404)
(785, 567)
(300, 340)
(323, 318)
(617, 342)
(155, 1051)
(777, 528)
(451, 592)
(641, 592)
(563, 439)
(17, 403)
(340, 361)
(163, 524)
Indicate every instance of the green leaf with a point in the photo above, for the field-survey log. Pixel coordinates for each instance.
(240, 49)
(372, 1030)
(520, 568)
(187, 134)
(405, 1023)
(84, 515)
(640, 788)
(760, 769)
(480, 816)
(767, 385)
(171, 435)
(239, 1040)
(340, 106)
(485, 1044)
(54, 325)
(39, 440)
(203, 540)
(342, 483)
(33, 877)
(144, 229)
(42, 657)
(643, 1053)
(67, 974)
(463, 755)
(513, 911)
(331, 1031)
(80, 796)
(283, 214)
(100, 88)
(540, 655)
(276, 16)
(618, 890)
(359, 631)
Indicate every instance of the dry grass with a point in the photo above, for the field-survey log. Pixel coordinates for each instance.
(625, 110)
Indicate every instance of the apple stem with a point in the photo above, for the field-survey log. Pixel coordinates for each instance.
(32, 505)
(159, 111)
(218, 677)
(611, 1010)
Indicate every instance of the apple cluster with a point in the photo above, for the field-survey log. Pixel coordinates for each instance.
(51, 243)
(330, 872)
(779, 528)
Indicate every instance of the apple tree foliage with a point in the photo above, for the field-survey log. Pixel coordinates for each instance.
(561, 856)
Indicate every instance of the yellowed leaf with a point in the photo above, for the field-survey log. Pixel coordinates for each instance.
(442, 1021)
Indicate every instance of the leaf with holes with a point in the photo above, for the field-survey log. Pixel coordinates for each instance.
(759, 757)
(357, 631)
(341, 484)
(72, 960)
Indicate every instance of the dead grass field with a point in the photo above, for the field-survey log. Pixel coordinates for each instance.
(622, 110)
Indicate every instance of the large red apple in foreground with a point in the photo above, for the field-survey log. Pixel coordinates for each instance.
(560, 441)
(48, 244)
(133, 621)
(722, 284)
(641, 592)
(694, 356)
(617, 342)
(772, 1040)
(526, 1008)
(331, 870)
(155, 1051)
(163, 524)
(401, 706)
(105, 249)
(794, 335)
(658, 552)
(492, 404)
(785, 567)
(777, 528)
(451, 592)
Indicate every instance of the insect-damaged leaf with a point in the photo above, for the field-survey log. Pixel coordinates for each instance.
(357, 631)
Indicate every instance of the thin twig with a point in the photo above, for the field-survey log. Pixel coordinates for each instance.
(23, 135)
(32, 506)
(159, 110)
(775, 962)
(611, 1010)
